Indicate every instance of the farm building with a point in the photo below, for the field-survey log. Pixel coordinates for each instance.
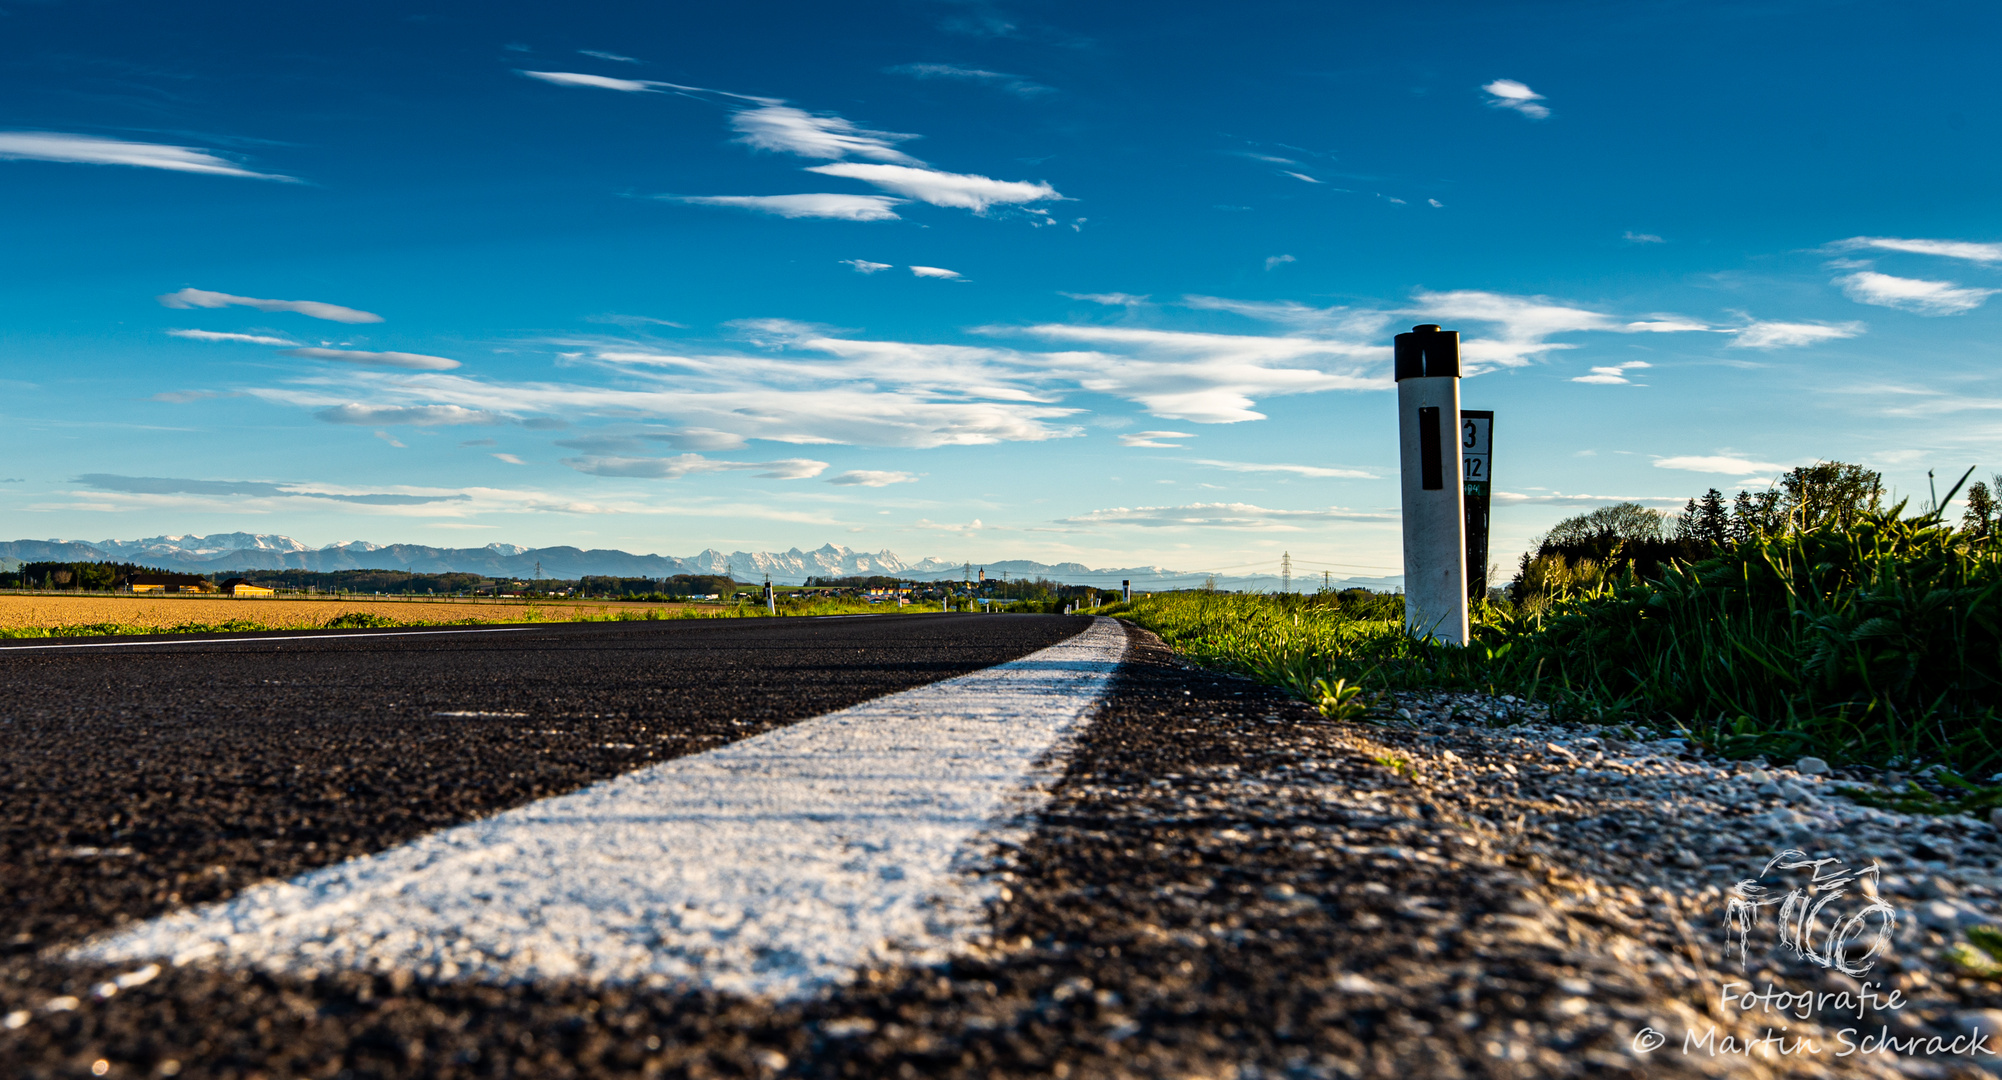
(170, 583)
(239, 587)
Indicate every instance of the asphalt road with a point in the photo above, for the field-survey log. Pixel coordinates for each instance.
(152, 775)
(1223, 883)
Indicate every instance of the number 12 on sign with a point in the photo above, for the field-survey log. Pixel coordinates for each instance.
(1476, 439)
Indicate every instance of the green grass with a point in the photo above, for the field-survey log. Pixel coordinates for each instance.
(1877, 643)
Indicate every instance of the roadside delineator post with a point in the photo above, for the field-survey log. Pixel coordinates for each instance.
(1427, 368)
(1126, 591)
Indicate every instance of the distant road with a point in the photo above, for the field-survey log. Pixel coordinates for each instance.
(157, 772)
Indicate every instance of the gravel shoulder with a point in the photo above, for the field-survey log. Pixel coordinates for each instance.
(1224, 885)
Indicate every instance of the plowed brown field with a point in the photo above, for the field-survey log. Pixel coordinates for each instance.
(22, 611)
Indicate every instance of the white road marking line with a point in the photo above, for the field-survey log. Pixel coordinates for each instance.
(261, 640)
(770, 867)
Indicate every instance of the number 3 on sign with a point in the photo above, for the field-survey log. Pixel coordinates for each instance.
(1474, 441)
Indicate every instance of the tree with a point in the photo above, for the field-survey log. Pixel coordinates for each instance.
(1831, 493)
(1619, 523)
(1685, 525)
(1713, 525)
(1755, 514)
(1979, 520)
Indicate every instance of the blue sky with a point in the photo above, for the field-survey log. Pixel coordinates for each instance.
(1111, 282)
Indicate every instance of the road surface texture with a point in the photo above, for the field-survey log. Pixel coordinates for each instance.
(1222, 884)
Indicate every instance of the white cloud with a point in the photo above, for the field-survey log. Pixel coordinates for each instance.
(215, 335)
(92, 150)
(1912, 294)
(1152, 439)
(607, 56)
(600, 82)
(864, 266)
(1244, 516)
(1525, 324)
(1613, 376)
(1436, 203)
(407, 361)
(1555, 498)
(1207, 378)
(674, 468)
(1633, 237)
(964, 191)
(1297, 470)
(1510, 94)
(1302, 176)
(1665, 324)
(1969, 250)
(936, 272)
(1278, 260)
(510, 459)
(1109, 299)
(823, 205)
(1718, 463)
(855, 392)
(1782, 335)
(202, 298)
(1014, 84)
(413, 415)
(787, 130)
(872, 478)
(390, 439)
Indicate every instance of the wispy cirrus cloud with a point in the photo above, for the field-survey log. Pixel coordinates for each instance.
(1515, 96)
(404, 360)
(412, 415)
(1241, 516)
(965, 191)
(784, 129)
(864, 266)
(674, 468)
(1786, 335)
(1721, 464)
(1206, 378)
(1915, 295)
(1967, 250)
(939, 272)
(776, 126)
(216, 335)
(607, 56)
(163, 485)
(832, 205)
(1151, 440)
(1109, 299)
(872, 478)
(1614, 375)
(606, 82)
(1020, 86)
(1314, 471)
(93, 150)
(203, 298)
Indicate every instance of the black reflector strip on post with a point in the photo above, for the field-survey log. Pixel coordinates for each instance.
(1430, 469)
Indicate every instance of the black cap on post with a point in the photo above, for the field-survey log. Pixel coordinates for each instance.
(1428, 352)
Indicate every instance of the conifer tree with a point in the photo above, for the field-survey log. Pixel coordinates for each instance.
(1979, 520)
(1713, 524)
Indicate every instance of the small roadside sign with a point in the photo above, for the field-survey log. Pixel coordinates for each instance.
(1477, 458)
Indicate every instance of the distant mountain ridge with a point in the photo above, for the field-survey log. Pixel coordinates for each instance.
(225, 552)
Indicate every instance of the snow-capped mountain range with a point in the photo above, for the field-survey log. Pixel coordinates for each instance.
(224, 552)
